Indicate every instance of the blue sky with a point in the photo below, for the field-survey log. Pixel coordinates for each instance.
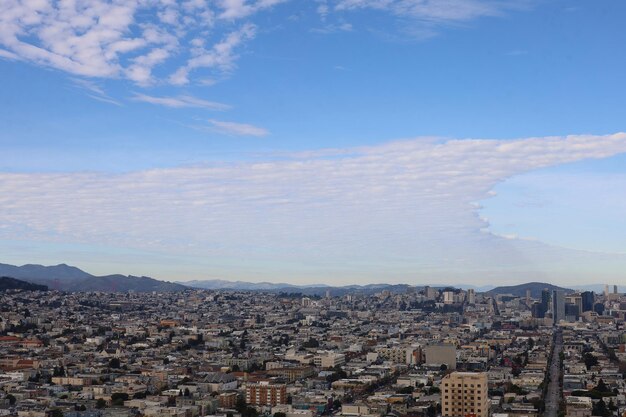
(316, 141)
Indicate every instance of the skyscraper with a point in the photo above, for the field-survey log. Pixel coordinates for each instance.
(558, 306)
(588, 298)
(545, 302)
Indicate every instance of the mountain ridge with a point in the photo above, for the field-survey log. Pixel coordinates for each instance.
(9, 283)
(70, 278)
(64, 277)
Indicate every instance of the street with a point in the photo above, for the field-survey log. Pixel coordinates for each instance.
(553, 394)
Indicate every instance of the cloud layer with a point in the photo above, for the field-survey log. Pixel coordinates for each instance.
(394, 210)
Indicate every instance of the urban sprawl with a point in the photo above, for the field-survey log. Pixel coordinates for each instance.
(426, 352)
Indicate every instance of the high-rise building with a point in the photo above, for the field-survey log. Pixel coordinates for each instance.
(558, 306)
(471, 296)
(464, 394)
(588, 298)
(545, 303)
(430, 293)
(614, 289)
(576, 300)
(537, 311)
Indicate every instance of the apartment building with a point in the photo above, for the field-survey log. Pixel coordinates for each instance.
(464, 394)
(266, 393)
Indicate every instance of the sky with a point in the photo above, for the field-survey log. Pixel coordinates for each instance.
(316, 141)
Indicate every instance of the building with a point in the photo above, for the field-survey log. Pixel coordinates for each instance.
(558, 306)
(578, 406)
(588, 298)
(545, 303)
(266, 393)
(440, 355)
(464, 394)
(328, 360)
(471, 296)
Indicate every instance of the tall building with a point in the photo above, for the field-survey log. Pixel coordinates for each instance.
(614, 289)
(471, 296)
(430, 293)
(588, 298)
(545, 299)
(576, 300)
(464, 394)
(558, 306)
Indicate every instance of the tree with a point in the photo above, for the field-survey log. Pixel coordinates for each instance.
(100, 403)
(118, 398)
(12, 399)
(55, 412)
(114, 363)
(311, 343)
(600, 409)
(241, 404)
(590, 360)
(280, 414)
(602, 387)
(406, 390)
(187, 393)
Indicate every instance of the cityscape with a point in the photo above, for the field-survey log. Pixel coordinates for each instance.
(312, 208)
(422, 352)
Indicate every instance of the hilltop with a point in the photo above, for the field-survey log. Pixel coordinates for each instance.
(520, 290)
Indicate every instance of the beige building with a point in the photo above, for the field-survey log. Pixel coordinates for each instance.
(440, 355)
(464, 394)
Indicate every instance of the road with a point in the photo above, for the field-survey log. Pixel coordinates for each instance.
(553, 394)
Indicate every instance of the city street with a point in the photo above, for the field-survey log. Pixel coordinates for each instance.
(553, 395)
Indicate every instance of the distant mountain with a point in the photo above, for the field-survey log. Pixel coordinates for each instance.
(599, 288)
(520, 290)
(310, 290)
(7, 283)
(69, 278)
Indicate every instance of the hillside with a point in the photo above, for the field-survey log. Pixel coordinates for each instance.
(69, 278)
(520, 290)
(7, 283)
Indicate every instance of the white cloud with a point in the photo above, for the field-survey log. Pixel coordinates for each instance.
(238, 129)
(122, 39)
(180, 102)
(440, 11)
(220, 56)
(95, 91)
(391, 212)
(238, 9)
(422, 19)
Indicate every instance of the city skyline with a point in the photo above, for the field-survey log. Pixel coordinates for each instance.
(333, 142)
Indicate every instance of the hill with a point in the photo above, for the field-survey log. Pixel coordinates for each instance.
(520, 290)
(8, 283)
(69, 278)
